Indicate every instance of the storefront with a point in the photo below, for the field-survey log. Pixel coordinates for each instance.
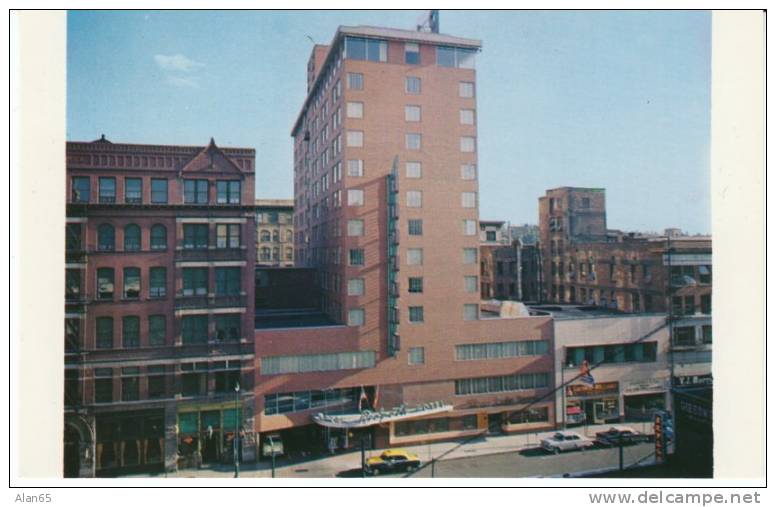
(206, 433)
(128, 443)
(592, 404)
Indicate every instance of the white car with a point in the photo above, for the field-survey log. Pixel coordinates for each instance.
(566, 441)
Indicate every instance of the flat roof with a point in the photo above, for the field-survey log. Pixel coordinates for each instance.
(568, 312)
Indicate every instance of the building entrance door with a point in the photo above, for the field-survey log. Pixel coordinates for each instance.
(72, 452)
(494, 423)
(598, 412)
(210, 452)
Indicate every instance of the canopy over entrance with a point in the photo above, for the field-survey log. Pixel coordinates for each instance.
(370, 418)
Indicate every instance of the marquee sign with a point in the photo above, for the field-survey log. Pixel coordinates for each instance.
(593, 390)
(369, 418)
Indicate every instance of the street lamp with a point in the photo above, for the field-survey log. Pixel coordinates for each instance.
(236, 438)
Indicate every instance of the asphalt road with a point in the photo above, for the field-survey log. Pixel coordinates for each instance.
(527, 463)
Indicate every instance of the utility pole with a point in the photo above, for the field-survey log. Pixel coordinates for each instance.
(236, 439)
(363, 457)
(621, 456)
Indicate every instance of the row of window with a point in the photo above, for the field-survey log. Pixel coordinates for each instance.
(195, 282)
(192, 383)
(357, 316)
(194, 236)
(194, 329)
(501, 383)
(275, 365)
(498, 350)
(412, 141)
(266, 236)
(687, 336)
(265, 254)
(376, 50)
(281, 403)
(195, 191)
(412, 113)
(644, 352)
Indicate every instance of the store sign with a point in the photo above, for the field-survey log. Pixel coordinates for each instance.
(593, 390)
(694, 380)
(369, 418)
(660, 437)
(647, 385)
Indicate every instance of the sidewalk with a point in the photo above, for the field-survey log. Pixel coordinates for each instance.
(330, 466)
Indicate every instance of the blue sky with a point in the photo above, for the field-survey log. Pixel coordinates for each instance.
(613, 99)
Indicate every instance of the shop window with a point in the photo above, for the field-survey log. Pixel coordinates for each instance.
(532, 415)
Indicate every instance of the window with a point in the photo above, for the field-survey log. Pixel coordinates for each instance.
(356, 257)
(133, 190)
(107, 190)
(80, 189)
(412, 113)
(465, 90)
(470, 283)
(468, 172)
(157, 330)
(413, 169)
(355, 81)
(470, 256)
(156, 381)
(357, 48)
(355, 227)
(498, 350)
(106, 238)
(73, 242)
(193, 384)
(158, 282)
(130, 332)
(491, 236)
(412, 141)
(131, 283)
(195, 191)
(467, 116)
(104, 331)
(414, 256)
(355, 197)
(355, 138)
(415, 227)
(684, 335)
(469, 199)
(455, 57)
(356, 168)
(228, 236)
(467, 144)
(706, 334)
(195, 281)
(470, 227)
(416, 313)
(274, 365)
(227, 281)
(158, 237)
(228, 192)
(414, 199)
(356, 317)
(411, 53)
(416, 284)
(105, 283)
(356, 287)
(195, 236)
(412, 85)
(471, 312)
(131, 238)
(416, 355)
(194, 329)
(103, 385)
(706, 304)
(72, 283)
(227, 379)
(704, 274)
(228, 327)
(158, 191)
(355, 110)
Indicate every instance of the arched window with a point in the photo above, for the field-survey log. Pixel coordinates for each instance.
(265, 236)
(276, 236)
(158, 237)
(131, 237)
(290, 236)
(265, 253)
(289, 253)
(275, 254)
(106, 238)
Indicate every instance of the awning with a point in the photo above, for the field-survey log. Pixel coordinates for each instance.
(370, 418)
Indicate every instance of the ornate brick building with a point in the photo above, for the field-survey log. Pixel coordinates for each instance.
(275, 232)
(159, 306)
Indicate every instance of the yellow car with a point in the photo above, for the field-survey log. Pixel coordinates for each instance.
(392, 461)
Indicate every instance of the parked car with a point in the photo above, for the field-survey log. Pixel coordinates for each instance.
(566, 441)
(392, 461)
(616, 434)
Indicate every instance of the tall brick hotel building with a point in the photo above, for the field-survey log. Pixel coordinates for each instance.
(386, 214)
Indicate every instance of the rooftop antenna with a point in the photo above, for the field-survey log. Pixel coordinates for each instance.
(429, 22)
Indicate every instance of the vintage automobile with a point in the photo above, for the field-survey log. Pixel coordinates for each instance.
(566, 441)
(616, 434)
(392, 461)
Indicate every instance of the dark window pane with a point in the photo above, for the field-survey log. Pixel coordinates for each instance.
(131, 283)
(158, 237)
(104, 327)
(159, 191)
(105, 283)
(80, 188)
(73, 237)
(158, 282)
(157, 329)
(106, 238)
(445, 57)
(130, 337)
(107, 190)
(133, 190)
(131, 237)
